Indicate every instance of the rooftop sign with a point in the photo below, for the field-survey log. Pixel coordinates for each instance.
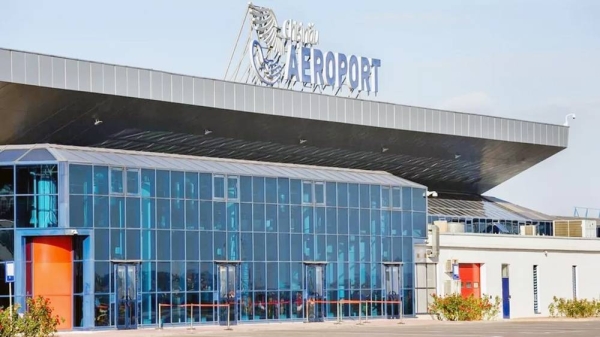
(287, 54)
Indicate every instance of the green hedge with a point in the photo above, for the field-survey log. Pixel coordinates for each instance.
(455, 307)
(574, 308)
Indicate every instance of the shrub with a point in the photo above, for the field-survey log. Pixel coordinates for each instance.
(37, 321)
(455, 307)
(574, 308)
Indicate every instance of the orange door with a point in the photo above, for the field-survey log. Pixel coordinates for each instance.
(52, 274)
(470, 279)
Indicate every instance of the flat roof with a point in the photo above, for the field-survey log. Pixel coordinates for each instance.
(50, 99)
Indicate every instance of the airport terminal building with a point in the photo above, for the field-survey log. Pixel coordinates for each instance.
(134, 197)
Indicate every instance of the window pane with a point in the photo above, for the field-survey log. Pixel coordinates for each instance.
(116, 180)
(7, 185)
(233, 216)
(407, 198)
(163, 213)
(80, 179)
(163, 184)
(396, 197)
(246, 217)
(295, 191)
(353, 195)
(342, 225)
(191, 185)
(365, 198)
(385, 197)
(148, 213)
(296, 247)
(163, 244)
(353, 221)
(101, 211)
(284, 218)
(132, 237)
(177, 214)
(81, 209)
(258, 189)
(396, 225)
(40, 179)
(259, 217)
(133, 182)
(117, 212)
(7, 239)
(206, 186)
(284, 246)
(177, 185)
(296, 219)
(219, 216)
(307, 192)
(319, 193)
(246, 189)
(133, 213)
(206, 215)
(232, 187)
(283, 188)
(320, 220)
(219, 184)
(220, 245)
(331, 220)
(419, 225)
(247, 245)
(271, 190)
(148, 183)
(271, 218)
(38, 211)
(331, 194)
(100, 180)
(260, 247)
(406, 223)
(365, 222)
(206, 247)
(375, 196)
(308, 220)
(192, 213)
(177, 245)
(419, 201)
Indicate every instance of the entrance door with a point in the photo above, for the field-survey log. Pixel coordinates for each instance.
(470, 279)
(505, 292)
(228, 289)
(392, 289)
(126, 281)
(314, 291)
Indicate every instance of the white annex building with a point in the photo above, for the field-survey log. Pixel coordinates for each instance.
(526, 271)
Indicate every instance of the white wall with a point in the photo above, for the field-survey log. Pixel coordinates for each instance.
(554, 257)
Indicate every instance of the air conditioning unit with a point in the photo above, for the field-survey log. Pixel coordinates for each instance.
(528, 230)
(448, 265)
(451, 287)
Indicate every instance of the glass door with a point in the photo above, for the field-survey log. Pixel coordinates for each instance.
(392, 288)
(126, 279)
(228, 289)
(314, 291)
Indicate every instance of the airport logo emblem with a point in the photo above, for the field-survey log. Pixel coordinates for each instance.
(288, 54)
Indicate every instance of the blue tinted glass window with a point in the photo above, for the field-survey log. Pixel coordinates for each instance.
(117, 244)
(419, 201)
(296, 219)
(375, 222)
(319, 193)
(132, 245)
(396, 225)
(365, 198)
(163, 213)
(385, 222)
(101, 251)
(163, 184)
(177, 185)
(332, 250)
(233, 216)
(309, 247)
(101, 211)
(178, 214)
(133, 182)
(397, 244)
(219, 216)
(163, 281)
(308, 220)
(246, 189)
(396, 197)
(296, 247)
(375, 196)
(133, 212)
(206, 186)
(353, 221)
(385, 197)
(247, 251)
(219, 187)
(116, 180)
(148, 213)
(100, 180)
(419, 223)
(258, 189)
(148, 244)
(148, 183)
(246, 217)
(232, 187)
(206, 247)
(192, 213)
(259, 217)
(307, 192)
(331, 220)
(272, 249)
(284, 218)
(117, 212)
(220, 245)
(386, 249)
(271, 190)
(296, 191)
(80, 179)
(407, 244)
(342, 194)
(177, 245)
(259, 247)
(271, 218)
(233, 246)
(353, 195)
(81, 208)
(320, 220)
(407, 223)
(331, 194)
(284, 246)
(283, 190)
(192, 240)
(365, 222)
(191, 185)
(342, 221)
(407, 198)
(206, 215)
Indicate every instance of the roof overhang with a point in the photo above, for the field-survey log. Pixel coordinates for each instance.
(46, 99)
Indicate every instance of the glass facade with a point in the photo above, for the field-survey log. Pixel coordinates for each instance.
(176, 225)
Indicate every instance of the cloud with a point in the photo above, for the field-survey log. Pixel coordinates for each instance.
(473, 102)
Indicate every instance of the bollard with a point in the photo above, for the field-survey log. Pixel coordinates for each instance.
(400, 310)
(159, 322)
(191, 317)
(228, 317)
(339, 313)
(367, 312)
(359, 313)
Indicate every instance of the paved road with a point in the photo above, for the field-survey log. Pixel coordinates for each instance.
(542, 328)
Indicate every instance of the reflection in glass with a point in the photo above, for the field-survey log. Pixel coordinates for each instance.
(133, 182)
(80, 179)
(232, 187)
(116, 180)
(219, 185)
(81, 211)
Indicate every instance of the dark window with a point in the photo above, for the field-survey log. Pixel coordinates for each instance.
(38, 179)
(177, 185)
(101, 180)
(206, 186)
(191, 185)
(246, 189)
(133, 182)
(80, 179)
(148, 183)
(163, 184)
(116, 180)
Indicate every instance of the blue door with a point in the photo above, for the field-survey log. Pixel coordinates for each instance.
(505, 298)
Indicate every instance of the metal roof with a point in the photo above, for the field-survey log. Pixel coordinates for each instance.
(22, 154)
